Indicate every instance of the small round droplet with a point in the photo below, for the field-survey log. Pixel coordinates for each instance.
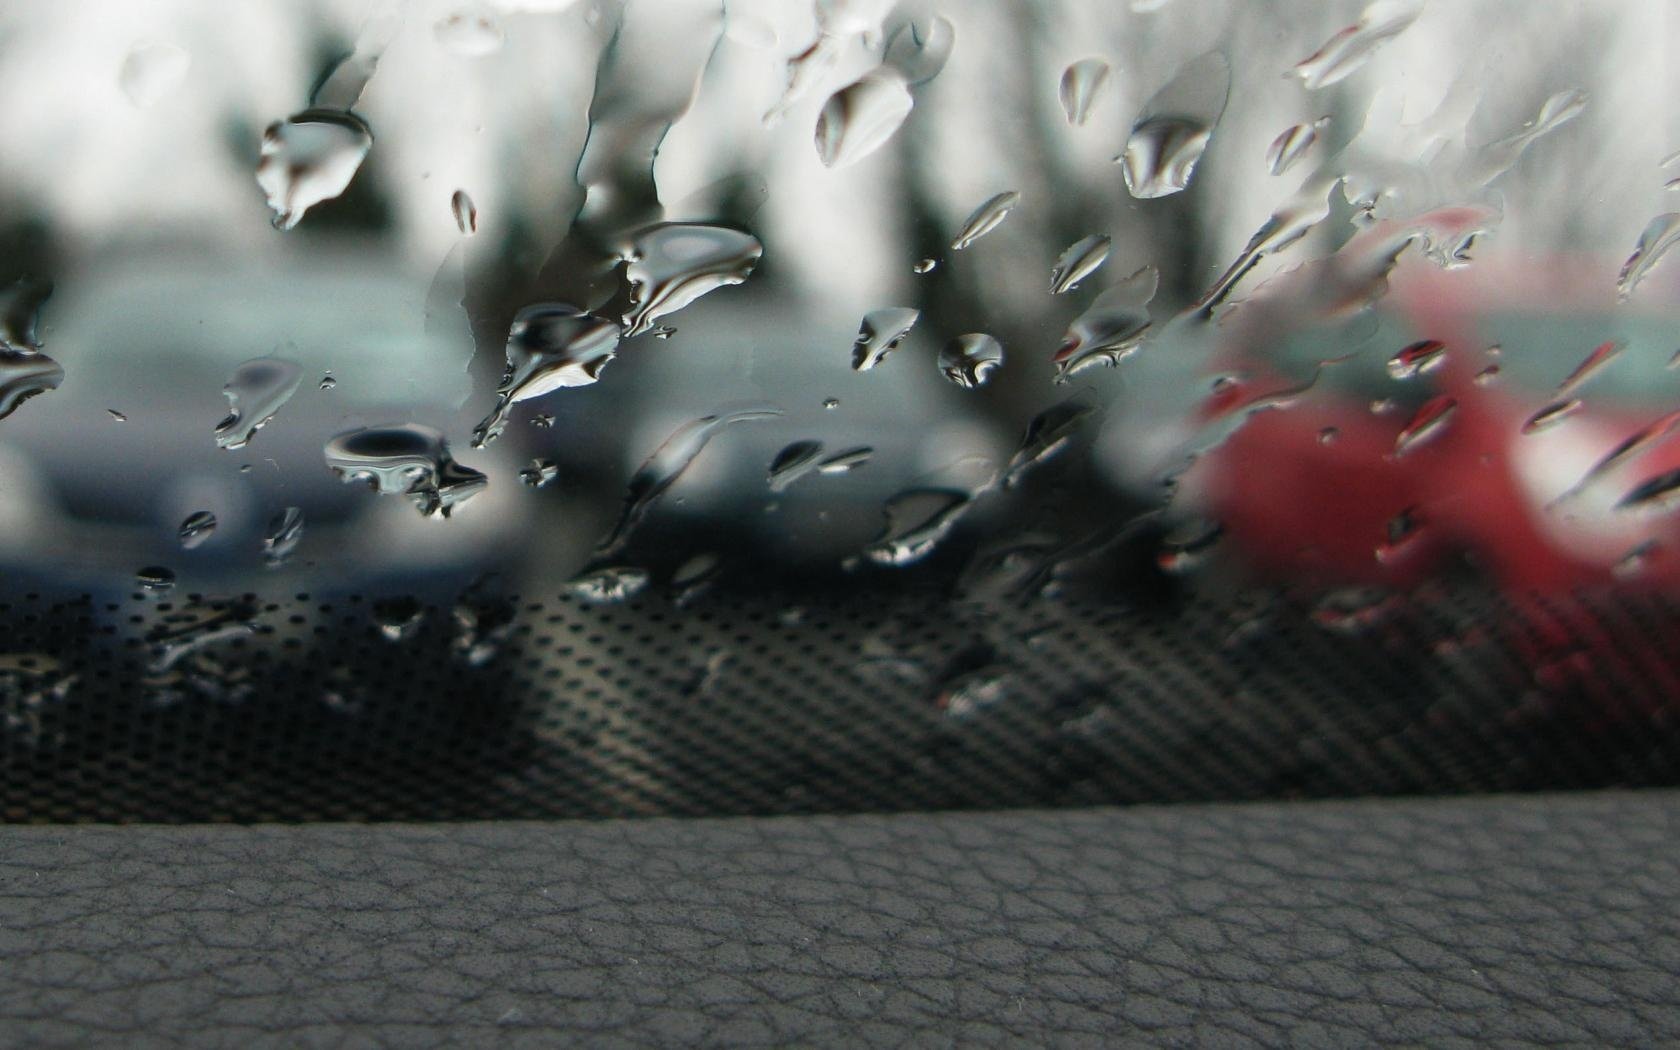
(831, 403)
(398, 619)
(539, 473)
(542, 421)
(466, 212)
(155, 578)
(328, 382)
(196, 529)
(925, 266)
(1328, 436)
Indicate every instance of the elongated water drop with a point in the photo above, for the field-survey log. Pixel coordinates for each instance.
(155, 578)
(1285, 226)
(879, 335)
(539, 473)
(1080, 84)
(549, 346)
(280, 539)
(1661, 234)
(916, 521)
(1551, 415)
(196, 529)
(673, 264)
(794, 462)
(1429, 420)
(1291, 145)
(1660, 492)
(409, 459)
(969, 360)
(985, 219)
(1634, 443)
(608, 584)
(1352, 47)
(255, 392)
(858, 119)
(1112, 327)
(1047, 435)
(465, 212)
(398, 619)
(310, 157)
(1078, 261)
(1173, 130)
(847, 461)
(1496, 158)
(1417, 358)
(1590, 365)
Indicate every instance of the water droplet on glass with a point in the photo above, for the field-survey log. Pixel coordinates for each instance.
(694, 576)
(539, 473)
(481, 628)
(1285, 226)
(1634, 443)
(465, 212)
(328, 382)
(662, 469)
(985, 219)
(116, 416)
(1590, 365)
(1427, 422)
(1496, 158)
(1417, 358)
(20, 314)
(1401, 532)
(879, 335)
(1188, 546)
(407, 459)
(308, 158)
(858, 119)
(847, 461)
(919, 49)
(673, 264)
(470, 34)
(1291, 145)
(1078, 90)
(1047, 435)
(1659, 236)
(924, 266)
(255, 392)
(1487, 376)
(155, 578)
(969, 360)
(151, 71)
(973, 692)
(542, 421)
(1551, 415)
(1173, 130)
(1111, 328)
(196, 529)
(613, 583)
(280, 539)
(24, 370)
(916, 521)
(398, 619)
(792, 463)
(1328, 436)
(1636, 561)
(1382, 406)
(1659, 493)
(549, 346)
(1079, 261)
(831, 403)
(1352, 47)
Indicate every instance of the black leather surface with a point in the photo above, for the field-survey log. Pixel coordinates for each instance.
(1538, 920)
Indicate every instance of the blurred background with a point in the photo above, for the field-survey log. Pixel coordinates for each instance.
(1343, 324)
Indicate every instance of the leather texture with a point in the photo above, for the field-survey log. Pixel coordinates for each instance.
(1542, 920)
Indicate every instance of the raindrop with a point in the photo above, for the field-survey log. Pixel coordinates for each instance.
(1635, 561)
(918, 52)
(831, 403)
(916, 521)
(847, 461)
(539, 473)
(465, 212)
(674, 263)
(151, 71)
(923, 266)
(542, 421)
(613, 583)
(1187, 547)
(549, 346)
(1291, 222)
(1047, 435)
(1400, 533)
(1670, 160)
(1427, 422)
(1601, 355)
(985, 219)
(280, 539)
(1079, 261)
(1111, 328)
(1291, 145)
(328, 382)
(1496, 158)
(1173, 130)
(1634, 443)
(695, 576)
(1351, 48)
(792, 463)
(879, 335)
(969, 360)
(1328, 436)
(858, 119)
(1551, 415)
(1415, 359)
(407, 459)
(662, 469)
(1658, 493)
(1487, 376)
(1659, 236)
(155, 578)
(480, 630)
(470, 34)
(1383, 406)
(398, 619)
(117, 416)
(308, 158)
(20, 314)
(1079, 87)
(971, 693)
(255, 392)
(196, 529)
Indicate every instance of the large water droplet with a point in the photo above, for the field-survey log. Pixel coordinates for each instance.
(1351, 48)
(255, 392)
(985, 219)
(916, 521)
(407, 459)
(924, 266)
(858, 119)
(549, 346)
(1661, 234)
(1047, 435)
(1173, 130)
(880, 334)
(792, 463)
(284, 533)
(24, 375)
(1078, 90)
(1417, 358)
(674, 263)
(465, 212)
(308, 158)
(1112, 327)
(1079, 261)
(919, 49)
(196, 529)
(1429, 420)
(1291, 145)
(151, 71)
(469, 33)
(969, 360)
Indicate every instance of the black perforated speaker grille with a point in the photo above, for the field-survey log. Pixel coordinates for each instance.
(816, 700)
